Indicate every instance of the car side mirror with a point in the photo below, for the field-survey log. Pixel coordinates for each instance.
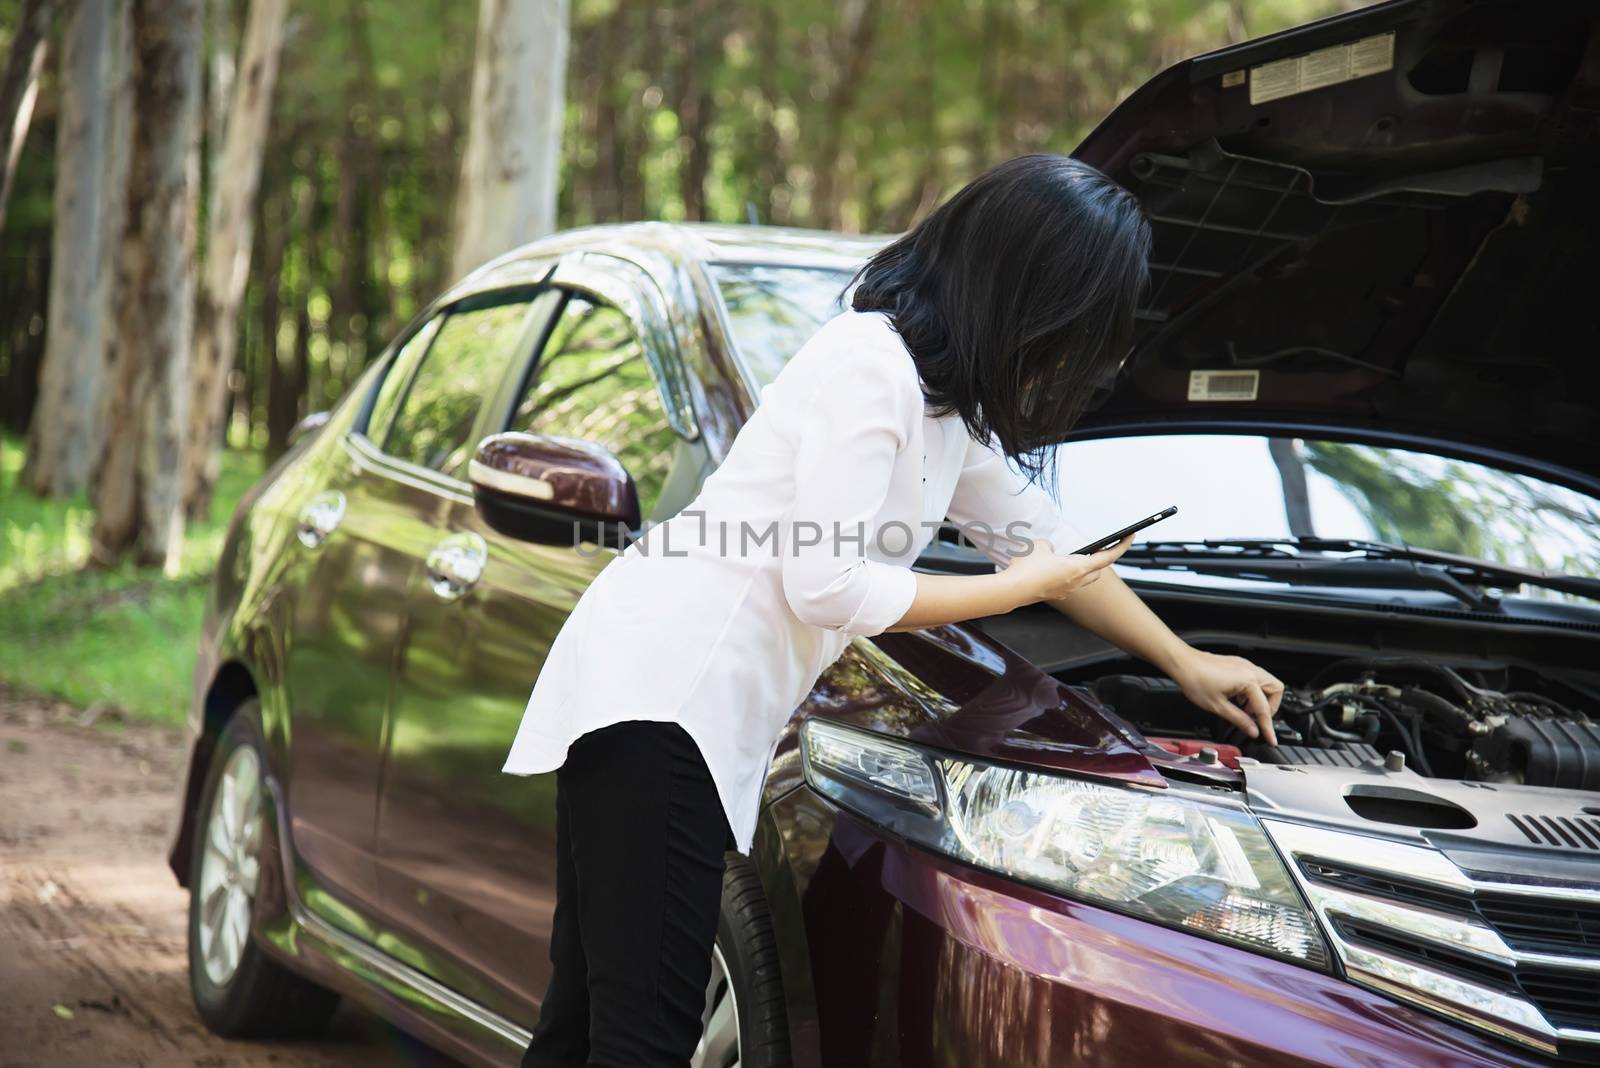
(553, 490)
(310, 423)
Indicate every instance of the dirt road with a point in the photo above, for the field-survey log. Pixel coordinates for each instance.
(92, 957)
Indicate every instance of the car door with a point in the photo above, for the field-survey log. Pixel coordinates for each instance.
(349, 579)
(366, 533)
(468, 852)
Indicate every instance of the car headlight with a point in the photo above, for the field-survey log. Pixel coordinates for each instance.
(1162, 855)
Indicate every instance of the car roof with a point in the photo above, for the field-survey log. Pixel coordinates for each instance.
(650, 243)
(736, 243)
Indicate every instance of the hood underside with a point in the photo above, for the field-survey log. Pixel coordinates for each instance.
(1379, 225)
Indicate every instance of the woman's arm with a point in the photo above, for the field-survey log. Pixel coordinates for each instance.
(848, 446)
(1218, 684)
(1087, 591)
(990, 493)
(942, 599)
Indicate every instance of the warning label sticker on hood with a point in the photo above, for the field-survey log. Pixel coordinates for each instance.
(1319, 69)
(1224, 385)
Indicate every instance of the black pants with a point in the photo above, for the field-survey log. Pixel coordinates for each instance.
(640, 835)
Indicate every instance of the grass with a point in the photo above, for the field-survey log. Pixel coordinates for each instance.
(123, 636)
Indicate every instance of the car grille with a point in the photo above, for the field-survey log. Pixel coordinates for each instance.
(1544, 926)
(1534, 924)
(1519, 960)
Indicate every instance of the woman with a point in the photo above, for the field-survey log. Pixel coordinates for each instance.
(975, 338)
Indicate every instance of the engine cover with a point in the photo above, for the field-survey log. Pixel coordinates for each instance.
(1547, 750)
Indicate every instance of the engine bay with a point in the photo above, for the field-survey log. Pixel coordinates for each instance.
(1505, 725)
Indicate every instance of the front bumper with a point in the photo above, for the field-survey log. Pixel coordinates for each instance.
(892, 955)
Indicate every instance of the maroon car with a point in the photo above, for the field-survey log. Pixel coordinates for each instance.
(1367, 372)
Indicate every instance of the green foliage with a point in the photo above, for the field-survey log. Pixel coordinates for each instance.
(857, 116)
(904, 100)
(127, 635)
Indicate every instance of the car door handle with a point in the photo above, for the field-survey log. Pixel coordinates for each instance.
(320, 517)
(456, 564)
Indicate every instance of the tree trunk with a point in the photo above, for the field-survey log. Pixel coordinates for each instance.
(585, 86)
(636, 142)
(695, 106)
(982, 132)
(510, 170)
(306, 212)
(230, 232)
(855, 38)
(1291, 465)
(221, 68)
(24, 284)
(282, 401)
(67, 428)
(608, 144)
(352, 209)
(137, 488)
(924, 196)
(19, 87)
(770, 169)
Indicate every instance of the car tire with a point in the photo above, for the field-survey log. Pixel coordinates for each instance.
(745, 966)
(238, 990)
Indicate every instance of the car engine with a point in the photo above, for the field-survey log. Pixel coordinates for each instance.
(1357, 711)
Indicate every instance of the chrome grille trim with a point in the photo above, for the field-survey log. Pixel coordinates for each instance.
(1588, 895)
(1558, 960)
(1439, 928)
(1506, 1012)
(1465, 1002)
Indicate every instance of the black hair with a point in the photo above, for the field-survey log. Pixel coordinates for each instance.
(1016, 299)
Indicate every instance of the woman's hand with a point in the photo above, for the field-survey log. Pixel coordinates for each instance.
(1233, 688)
(1038, 575)
(1042, 574)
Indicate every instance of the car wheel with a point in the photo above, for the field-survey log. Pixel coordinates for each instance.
(238, 990)
(746, 1024)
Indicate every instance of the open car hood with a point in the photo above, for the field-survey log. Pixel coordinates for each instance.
(1379, 226)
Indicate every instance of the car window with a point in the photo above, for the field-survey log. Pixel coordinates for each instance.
(471, 352)
(593, 382)
(773, 310)
(396, 377)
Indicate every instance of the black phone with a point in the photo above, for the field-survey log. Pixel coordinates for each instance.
(1111, 539)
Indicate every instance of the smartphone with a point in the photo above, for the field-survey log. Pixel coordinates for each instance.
(1111, 539)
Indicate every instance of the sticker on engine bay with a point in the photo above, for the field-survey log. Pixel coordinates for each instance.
(1223, 385)
(1317, 70)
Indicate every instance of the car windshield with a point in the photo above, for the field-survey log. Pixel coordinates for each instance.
(1239, 485)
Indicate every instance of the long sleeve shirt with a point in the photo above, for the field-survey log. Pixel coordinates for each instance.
(723, 618)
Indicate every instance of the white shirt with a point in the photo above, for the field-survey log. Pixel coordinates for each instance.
(722, 618)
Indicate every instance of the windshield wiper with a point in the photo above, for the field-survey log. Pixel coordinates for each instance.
(1372, 564)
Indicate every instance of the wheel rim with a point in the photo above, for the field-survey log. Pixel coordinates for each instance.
(230, 868)
(719, 1032)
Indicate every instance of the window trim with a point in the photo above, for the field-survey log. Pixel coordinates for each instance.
(437, 313)
(629, 288)
(531, 274)
(371, 458)
(753, 385)
(364, 421)
(391, 353)
(606, 277)
(520, 386)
